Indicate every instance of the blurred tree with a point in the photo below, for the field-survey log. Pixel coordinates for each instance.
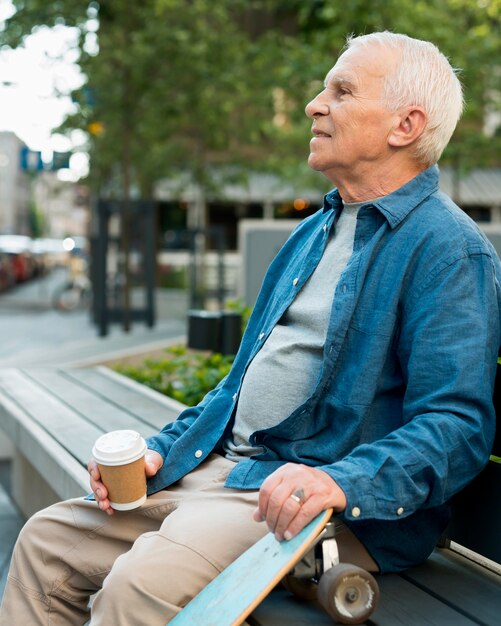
(170, 86)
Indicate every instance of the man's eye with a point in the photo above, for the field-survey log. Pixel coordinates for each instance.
(338, 91)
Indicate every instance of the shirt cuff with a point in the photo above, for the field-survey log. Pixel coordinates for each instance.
(362, 503)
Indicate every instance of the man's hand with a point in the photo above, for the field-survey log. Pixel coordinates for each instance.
(313, 491)
(152, 463)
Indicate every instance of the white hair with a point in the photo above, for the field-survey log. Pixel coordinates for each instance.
(423, 76)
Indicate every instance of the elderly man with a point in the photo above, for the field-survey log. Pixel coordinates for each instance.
(363, 382)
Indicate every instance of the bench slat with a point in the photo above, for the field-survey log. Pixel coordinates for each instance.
(92, 407)
(466, 585)
(66, 474)
(404, 604)
(146, 404)
(54, 417)
(281, 608)
(401, 604)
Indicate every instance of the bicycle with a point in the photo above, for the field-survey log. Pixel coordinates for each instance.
(76, 293)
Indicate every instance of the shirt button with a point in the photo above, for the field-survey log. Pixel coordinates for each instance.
(198, 454)
(400, 510)
(234, 397)
(355, 511)
(295, 281)
(325, 228)
(261, 336)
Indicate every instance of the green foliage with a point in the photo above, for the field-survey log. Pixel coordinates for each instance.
(184, 375)
(37, 221)
(171, 86)
(172, 277)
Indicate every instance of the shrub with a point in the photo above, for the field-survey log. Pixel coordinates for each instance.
(185, 375)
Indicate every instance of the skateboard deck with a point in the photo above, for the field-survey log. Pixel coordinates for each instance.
(237, 590)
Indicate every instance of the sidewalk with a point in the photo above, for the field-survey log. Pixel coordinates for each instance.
(32, 333)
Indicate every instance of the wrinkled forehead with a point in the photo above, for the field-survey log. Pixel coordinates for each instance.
(359, 65)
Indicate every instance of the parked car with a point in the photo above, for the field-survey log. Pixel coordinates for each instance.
(7, 275)
(18, 248)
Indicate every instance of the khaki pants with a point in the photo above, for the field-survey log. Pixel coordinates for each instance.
(144, 565)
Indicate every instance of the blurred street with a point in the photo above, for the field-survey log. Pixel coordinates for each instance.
(33, 333)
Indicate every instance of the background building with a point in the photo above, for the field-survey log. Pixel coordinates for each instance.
(63, 206)
(36, 202)
(14, 187)
(477, 192)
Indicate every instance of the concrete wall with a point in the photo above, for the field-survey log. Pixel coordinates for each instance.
(258, 243)
(6, 447)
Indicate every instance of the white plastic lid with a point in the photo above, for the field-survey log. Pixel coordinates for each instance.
(119, 447)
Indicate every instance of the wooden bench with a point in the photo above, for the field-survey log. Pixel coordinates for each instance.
(54, 416)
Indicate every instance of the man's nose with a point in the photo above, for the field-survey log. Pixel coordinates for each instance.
(318, 106)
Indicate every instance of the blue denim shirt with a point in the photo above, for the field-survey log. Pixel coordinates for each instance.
(401, 416)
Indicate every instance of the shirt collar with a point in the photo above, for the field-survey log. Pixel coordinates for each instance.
(397, 205)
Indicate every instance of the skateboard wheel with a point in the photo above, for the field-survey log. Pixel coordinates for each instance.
(348, 593)
(303, 588)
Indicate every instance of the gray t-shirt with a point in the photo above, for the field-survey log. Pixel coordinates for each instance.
(283, 374)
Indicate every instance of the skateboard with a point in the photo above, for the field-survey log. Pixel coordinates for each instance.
(235, 593)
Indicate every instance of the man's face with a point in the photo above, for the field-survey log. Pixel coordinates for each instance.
(350, 125)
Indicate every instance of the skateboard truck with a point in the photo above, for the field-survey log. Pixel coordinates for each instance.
(349, 594)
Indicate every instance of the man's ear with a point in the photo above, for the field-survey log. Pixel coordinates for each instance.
(410, 124)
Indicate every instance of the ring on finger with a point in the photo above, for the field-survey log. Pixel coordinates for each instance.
(298, 496)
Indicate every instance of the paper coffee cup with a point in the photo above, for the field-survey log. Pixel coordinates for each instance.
(120, 457)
